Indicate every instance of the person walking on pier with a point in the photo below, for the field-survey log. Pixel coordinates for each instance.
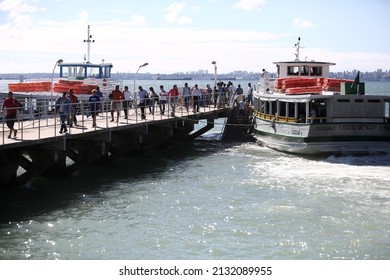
(63, 107)
(116, 104)
(127, 101)
(186, 96)
(173, 95)
(153, 100)
(94, 104)
(142, 101)
(163, 99)
(10, 104)
(196, 95)
(74, 102)
(100, 94)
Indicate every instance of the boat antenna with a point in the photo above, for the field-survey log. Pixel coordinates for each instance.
(89, 41)
(298, 46)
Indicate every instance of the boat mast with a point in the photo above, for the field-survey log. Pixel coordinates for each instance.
(298, 46)
(89, 41)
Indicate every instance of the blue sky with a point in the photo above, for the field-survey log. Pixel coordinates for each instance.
(181, 36)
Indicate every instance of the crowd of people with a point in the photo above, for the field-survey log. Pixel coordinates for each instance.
(190, 98)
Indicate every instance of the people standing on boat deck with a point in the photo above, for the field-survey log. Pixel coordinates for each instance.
(94, 104)
(10, 106)
(186, 95)
(241, 106)
(163, 99)
(313, 115)
(250, 94)
(196, 95)
(142, 101)
(74, 102)
(63, 107)
(221, 95)
(126, 101)
(215, 96)
(116, 104)
(231, 91)
(173, 94)
(265, 80)
(209, 92)
(239, 94)
(153, 100)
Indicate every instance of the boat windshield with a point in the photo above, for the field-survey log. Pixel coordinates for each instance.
(80, 72)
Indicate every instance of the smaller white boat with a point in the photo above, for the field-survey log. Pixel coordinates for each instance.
(303, 111)
(82, 77)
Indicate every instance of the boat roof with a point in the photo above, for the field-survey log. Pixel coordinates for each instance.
(87, 64)
(312, 62)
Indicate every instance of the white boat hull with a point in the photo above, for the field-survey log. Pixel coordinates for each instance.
(334, 138)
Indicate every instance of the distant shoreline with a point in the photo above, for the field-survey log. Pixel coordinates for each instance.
(376, 76)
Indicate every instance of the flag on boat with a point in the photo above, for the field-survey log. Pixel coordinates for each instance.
(356, 82)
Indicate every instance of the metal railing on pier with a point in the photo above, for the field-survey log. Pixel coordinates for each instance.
(39, 119)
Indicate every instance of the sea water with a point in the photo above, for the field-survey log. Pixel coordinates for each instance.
(204, 200)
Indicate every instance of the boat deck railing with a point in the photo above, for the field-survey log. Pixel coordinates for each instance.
(38, 119)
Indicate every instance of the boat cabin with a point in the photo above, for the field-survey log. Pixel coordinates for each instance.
(324, 109)
(81, 71)
(294, 69)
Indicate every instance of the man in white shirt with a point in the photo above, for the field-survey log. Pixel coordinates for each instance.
(186, 95)
(163, 99)
(250, 94)
(127, 101)
(196, 95)
(265, 79)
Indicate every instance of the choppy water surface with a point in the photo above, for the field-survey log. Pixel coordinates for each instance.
(205, 200)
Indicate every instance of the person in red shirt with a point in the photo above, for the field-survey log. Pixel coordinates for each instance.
(173, 94)
(10, 104)
(116, 104)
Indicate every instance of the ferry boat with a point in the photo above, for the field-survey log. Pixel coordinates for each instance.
(303, 111)
(173, 77)
(82, 77)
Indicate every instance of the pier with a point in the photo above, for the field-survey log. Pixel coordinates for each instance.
(40, 149)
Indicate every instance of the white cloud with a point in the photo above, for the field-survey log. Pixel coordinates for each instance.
(137, 20)
(83, 16)
(301, 23)
(249, 5)
(17, 7)
(173, 14)
(19, 12)
(196, 9)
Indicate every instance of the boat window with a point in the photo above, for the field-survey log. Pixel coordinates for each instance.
(316, 71)
(80, 72)
(343, 100)
(304, 70)
(359, 100)
(293, 70)
(374, 101)
(68, 72)
(107, 72)
(93, 72)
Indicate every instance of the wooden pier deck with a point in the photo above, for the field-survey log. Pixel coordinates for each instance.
(39, 148)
